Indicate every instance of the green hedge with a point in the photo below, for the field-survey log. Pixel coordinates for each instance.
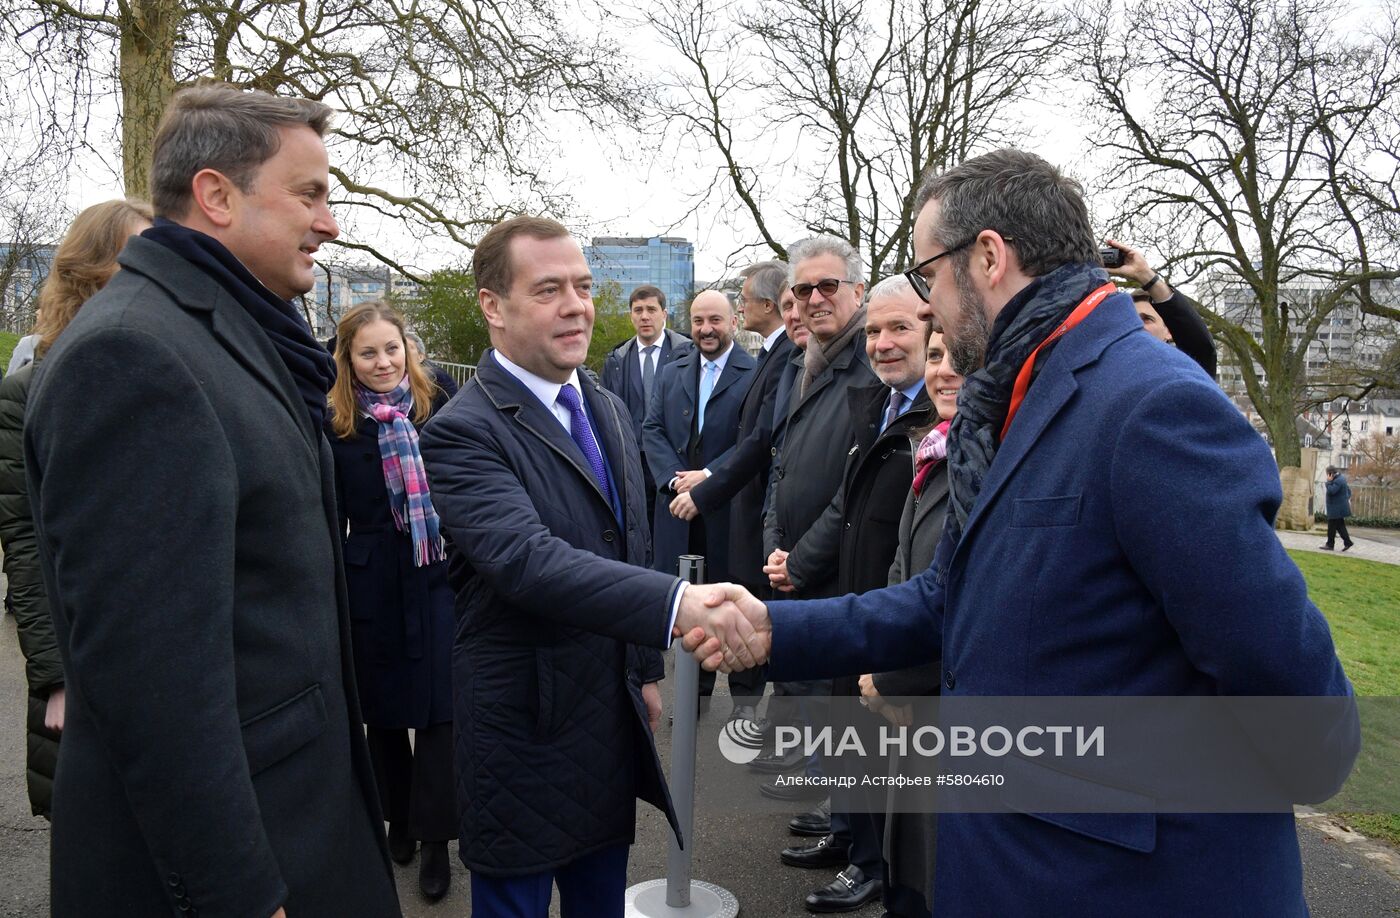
(1367, 522)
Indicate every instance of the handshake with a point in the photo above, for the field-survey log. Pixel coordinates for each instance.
(725, 626)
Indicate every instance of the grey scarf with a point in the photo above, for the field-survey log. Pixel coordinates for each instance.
(819, 356)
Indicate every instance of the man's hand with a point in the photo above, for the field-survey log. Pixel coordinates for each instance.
(280, 913)
(1136, 269)
(53, 713)
(651, 694)
(684, 481)
(724, 626)
(776, 569)
(683, 507)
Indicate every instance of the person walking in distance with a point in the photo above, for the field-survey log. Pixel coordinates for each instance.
(1338, 509)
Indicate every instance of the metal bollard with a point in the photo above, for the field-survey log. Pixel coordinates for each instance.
(678, 894)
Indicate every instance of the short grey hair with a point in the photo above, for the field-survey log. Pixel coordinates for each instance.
(1019, 196)
(894, 285)
(417, 340)
(766, 280)
(827, 245)
(216, 126)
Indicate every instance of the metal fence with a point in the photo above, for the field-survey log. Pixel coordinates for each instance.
(461, 372)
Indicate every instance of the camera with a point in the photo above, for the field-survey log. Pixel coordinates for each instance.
(1112, 257)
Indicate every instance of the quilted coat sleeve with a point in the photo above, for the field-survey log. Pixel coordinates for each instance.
(43, 668)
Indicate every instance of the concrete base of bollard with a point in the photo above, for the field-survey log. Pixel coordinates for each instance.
(648, 900)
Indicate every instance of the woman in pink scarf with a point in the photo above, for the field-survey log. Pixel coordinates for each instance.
(401, 605)
(910, 838)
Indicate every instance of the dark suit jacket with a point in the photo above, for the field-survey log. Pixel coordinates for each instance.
(1122, 544)
(859, 534)
(553, 743)
(622, 373)
(740, 482)
(213, 756)
(670, 443)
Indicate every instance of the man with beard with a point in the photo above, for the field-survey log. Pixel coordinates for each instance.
(1110, 532)
(691, 426)
(741, 481)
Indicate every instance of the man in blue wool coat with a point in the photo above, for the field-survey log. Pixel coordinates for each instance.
(1110, 533)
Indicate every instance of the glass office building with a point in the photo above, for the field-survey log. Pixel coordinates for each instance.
(630, 261)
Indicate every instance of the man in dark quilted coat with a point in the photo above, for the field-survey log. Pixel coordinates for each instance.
(536, 477)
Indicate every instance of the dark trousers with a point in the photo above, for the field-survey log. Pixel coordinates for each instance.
(1337, 526)
(866, 834)
(415, 782)
(594, 886)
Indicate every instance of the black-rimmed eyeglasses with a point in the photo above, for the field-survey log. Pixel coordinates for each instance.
(915, 274)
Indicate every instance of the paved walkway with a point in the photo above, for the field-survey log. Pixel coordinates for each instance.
(1371, 544)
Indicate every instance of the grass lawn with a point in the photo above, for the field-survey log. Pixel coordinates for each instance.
(1361, 600)
(8, 340)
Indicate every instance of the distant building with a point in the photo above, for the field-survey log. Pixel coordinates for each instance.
(630, 261)
(23, 268)
(341, 287)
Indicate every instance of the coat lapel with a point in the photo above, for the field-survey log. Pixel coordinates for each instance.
(508, 394)
(736, 367)
(234, 329)
(1050, 393)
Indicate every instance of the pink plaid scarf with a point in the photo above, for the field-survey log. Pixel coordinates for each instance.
(932, 449)
(409, 499)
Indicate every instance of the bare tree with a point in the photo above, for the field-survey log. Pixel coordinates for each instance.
(447, 106)
(1241, 133)
(876, 93)
(1378, 460)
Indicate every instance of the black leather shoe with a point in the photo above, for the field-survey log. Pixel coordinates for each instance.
(1347, 547)
(1325, 547)
(814, 823)
(401, 847)
(827, 852)
(770, 764)
(849, 891)
(435, 871)
(790, 792)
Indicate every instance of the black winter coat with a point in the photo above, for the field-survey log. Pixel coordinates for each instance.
(859, 533)
(400, 615)
(807, 470)
(553, 744)
(741, 481)
(43, 668)
(213, 759)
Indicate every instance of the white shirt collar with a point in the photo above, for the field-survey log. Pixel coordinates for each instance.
(719, 361)
(543, 389)
(660, 340)
(773, 336)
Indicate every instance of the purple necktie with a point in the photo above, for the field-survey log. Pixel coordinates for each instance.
(583, 436)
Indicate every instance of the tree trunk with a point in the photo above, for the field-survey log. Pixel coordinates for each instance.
(147, 71)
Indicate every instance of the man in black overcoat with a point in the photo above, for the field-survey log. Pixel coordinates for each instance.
(213, 760)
